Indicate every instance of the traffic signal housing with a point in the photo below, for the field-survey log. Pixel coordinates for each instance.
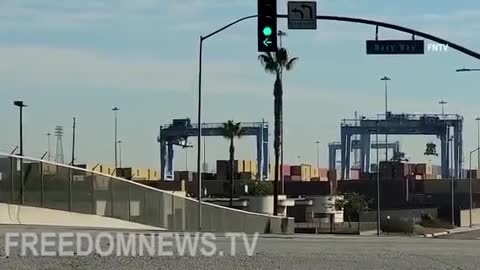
(267, 25)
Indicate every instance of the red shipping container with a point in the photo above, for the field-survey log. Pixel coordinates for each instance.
(296, 170)
(286, 170)
(421, 168)
(355, 174)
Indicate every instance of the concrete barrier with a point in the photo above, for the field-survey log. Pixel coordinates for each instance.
(27, 215)
(465, 217)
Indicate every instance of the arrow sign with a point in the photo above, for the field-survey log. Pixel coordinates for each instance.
(267, 42)
(309, 10)
(296, 10)
(302, 15)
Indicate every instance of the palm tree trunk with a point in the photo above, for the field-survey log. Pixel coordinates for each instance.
(277, 94)
(232, 171)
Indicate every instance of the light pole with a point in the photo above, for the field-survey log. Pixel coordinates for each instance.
(478, 142)
(199, 113)
(452, 185)
(443, 103)
(73, 142)
(318, 155)
(470, 184)
(115, 110)
(378, 181)
(186, 146)
(386, 79)
(120, 153)
(21, 105)
(48, 141)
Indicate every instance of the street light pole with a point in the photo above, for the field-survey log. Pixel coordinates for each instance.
(452, 185)
(21, 105)
(386, 79)
(199, 112)
(470, 185)
(478, 142)
(378, 181)
(73, 143)
(443, 103)
(48, 141)
(120, 153)
(115, 110)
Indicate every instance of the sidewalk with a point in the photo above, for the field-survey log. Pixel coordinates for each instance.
(452, 231)
(464, 229)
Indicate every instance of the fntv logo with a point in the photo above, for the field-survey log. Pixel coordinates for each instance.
(437, 47)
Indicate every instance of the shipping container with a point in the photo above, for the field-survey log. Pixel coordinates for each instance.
(296, 178)
(295, 170)
(323, 173)
(306, 172)
(286, 170)
(421, 168)
(355, 174)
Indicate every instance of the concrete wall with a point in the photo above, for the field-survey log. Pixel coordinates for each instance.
(264, 204)
(325, 205)
(465, 217)
(26, 215)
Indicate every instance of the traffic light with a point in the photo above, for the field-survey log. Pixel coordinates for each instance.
(267, 25)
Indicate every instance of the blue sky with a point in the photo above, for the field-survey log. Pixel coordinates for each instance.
(80, 58)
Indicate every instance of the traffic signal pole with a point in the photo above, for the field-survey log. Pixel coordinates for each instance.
(320, 17)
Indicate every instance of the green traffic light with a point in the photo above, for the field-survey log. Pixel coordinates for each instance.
(267, 31)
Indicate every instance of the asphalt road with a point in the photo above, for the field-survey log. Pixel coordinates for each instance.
(276, 252)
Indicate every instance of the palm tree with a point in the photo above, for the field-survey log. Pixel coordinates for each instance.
(230, 131)
(275, 64)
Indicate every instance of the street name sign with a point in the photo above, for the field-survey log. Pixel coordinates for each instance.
(395, 47)
(302, 15)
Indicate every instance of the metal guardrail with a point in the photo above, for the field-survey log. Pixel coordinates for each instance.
(62, 187)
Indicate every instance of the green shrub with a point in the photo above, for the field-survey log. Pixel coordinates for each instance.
(428, 221)
(260, 188)
(397, 226)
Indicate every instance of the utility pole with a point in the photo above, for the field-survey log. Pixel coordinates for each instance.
(73, 143)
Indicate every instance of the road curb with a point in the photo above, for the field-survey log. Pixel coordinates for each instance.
(441, 233)
(431, 235)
